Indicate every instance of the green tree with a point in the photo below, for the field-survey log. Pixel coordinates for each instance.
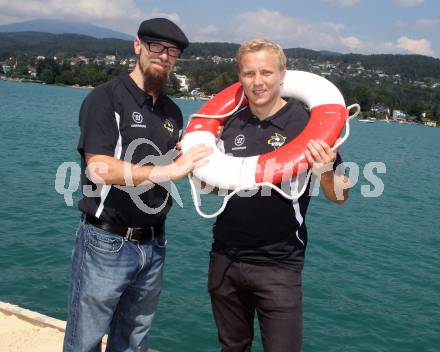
(47, 76)
(416, 108)
(21, 70)
(66, 77)
(218, 83)
(47, 70)
(173, 85)
(363, 96)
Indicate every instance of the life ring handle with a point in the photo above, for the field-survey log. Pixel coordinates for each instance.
(347, 125)
(293, 197)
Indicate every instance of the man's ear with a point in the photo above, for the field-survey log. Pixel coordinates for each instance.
(137, 46)
(283, 75)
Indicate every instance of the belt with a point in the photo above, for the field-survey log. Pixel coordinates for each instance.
(129, 233)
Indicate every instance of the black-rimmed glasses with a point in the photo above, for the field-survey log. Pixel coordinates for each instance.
(158, 48)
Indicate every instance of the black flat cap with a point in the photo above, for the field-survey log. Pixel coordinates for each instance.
(163, 29)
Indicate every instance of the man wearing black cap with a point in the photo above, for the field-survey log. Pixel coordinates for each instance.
(128, 128)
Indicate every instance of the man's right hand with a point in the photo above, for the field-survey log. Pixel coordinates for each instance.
(103, 169)
(188, 161)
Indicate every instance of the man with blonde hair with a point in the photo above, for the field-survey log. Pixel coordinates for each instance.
(260, 240)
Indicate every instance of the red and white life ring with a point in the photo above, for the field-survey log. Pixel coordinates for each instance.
(328, 115)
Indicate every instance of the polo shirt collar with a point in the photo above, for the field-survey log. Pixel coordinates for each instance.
(279, 119)
(138, 94)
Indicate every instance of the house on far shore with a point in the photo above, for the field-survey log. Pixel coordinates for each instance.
(380, 109)
(183, 81)
(32, 71)
(399, 115)
(80, 59)
(98, 61)
(5, 67)
(216, 59)
(110, 59)
(83, 59)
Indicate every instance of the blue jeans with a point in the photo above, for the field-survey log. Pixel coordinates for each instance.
(114, 287)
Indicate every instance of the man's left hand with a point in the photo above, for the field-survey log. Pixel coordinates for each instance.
(320, 156)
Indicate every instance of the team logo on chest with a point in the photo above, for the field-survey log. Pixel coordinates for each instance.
(276, 140)
(168, 125)
(137, 119)
(239, 141)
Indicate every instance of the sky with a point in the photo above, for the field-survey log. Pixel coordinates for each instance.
(357, 26)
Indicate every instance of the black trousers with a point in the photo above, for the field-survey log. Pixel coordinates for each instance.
(238, 290)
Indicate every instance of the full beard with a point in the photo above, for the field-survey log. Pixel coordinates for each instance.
(154, 82)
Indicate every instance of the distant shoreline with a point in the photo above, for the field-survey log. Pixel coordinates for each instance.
(24, 80)
(77, 86)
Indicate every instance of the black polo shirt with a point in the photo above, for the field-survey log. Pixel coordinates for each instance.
(264, 229)
(119, 120)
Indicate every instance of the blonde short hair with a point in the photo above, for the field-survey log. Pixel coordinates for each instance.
(258, 44)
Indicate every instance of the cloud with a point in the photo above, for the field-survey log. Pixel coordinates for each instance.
(119, 15)
(420, 24)
(125, 16)
(409, 3)
(426, 23)
(415, 46)
(352, 42)
(80, 9)
(171, 16)
(342, 3)
(288, 31)
(402, 45)
(292, 32)
(206, 34)
(4, 19)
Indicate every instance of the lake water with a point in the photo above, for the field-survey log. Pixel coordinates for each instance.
(371, 280)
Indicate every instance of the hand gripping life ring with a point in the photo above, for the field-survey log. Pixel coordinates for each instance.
(328, 115)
